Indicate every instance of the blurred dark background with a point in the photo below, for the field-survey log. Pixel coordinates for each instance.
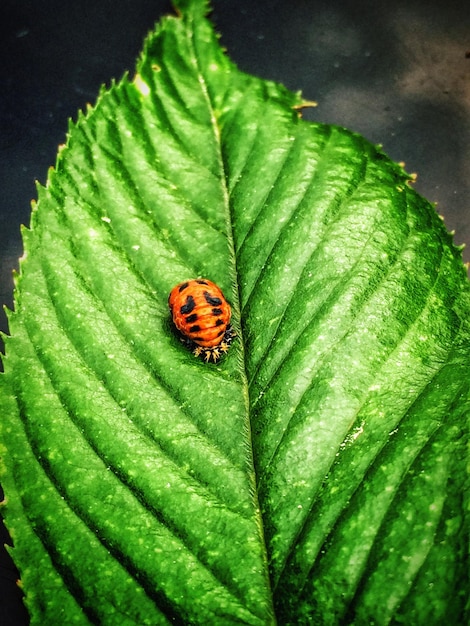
(397, 72)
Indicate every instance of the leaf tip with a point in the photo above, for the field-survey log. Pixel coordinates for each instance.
(195, 7)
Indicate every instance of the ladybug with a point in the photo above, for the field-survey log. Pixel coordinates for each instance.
(201, 314)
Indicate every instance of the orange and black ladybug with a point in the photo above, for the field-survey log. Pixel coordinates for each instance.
(202, 316)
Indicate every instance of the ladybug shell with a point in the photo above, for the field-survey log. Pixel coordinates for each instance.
(200, 312)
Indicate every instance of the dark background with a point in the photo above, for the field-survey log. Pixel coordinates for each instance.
(397, 72)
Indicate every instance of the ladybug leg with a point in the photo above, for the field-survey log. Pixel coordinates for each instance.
(198, 351)
(229, 335)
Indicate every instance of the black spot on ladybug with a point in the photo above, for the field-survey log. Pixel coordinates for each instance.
(183, 286)
(188, 306)
(194, 329)
(219, 322)
(222, 332)
(202, 282)
(212, 300)
(216, 311)
(191, 318)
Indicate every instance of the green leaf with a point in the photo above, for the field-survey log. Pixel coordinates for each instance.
(316, 475)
